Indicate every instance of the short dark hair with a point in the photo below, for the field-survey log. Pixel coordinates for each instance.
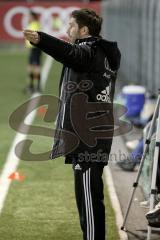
(34, 15)
(89, 18)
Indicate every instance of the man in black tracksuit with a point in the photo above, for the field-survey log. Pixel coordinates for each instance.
(84, 128)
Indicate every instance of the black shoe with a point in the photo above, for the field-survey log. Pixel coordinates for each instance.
(153, 217)
(28, 90)
(39, 90)
(127, 165)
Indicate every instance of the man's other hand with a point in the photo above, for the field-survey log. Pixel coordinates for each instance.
(31, 36)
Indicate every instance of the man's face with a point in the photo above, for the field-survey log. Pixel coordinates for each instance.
(30, 18)
(73, 30)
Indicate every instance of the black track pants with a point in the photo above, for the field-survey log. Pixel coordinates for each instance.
(89, 198)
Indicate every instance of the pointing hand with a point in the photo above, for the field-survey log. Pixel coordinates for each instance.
(31, 36)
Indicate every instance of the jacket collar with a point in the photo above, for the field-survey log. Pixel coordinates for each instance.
(88, 39)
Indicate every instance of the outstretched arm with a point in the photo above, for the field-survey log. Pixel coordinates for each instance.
(72, 55)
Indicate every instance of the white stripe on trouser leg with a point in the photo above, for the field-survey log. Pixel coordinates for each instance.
(88, 200)
(92, 217)
(89, 207)
(86, 206)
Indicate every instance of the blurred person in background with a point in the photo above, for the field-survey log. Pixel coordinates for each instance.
(34, 60)
(89, 62)
(56, 23)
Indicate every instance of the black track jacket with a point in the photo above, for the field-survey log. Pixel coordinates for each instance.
(84, 126)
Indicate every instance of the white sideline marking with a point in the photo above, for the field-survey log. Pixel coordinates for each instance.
(12, 160)
(115, 202)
